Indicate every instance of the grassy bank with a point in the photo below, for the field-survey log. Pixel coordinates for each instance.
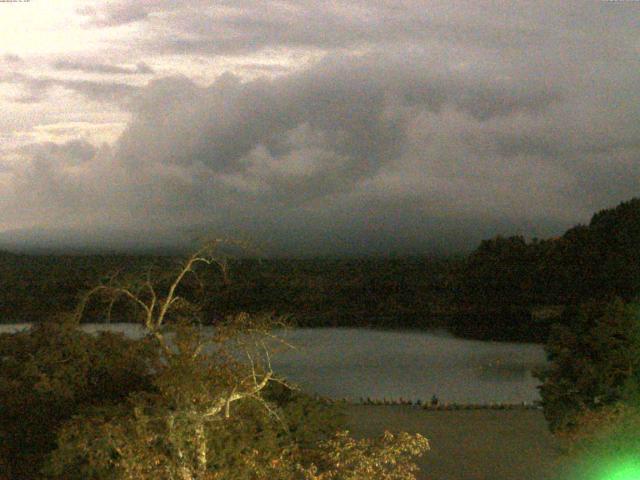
(480, 444)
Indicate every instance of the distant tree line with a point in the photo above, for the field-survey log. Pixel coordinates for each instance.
(505, 278)
(595, 261)
(590, 390)
(317, 292)
(493, 293)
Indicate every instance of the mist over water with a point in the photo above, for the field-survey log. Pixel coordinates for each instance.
(360, 363)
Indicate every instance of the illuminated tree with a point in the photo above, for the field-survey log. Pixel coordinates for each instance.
(209, 414)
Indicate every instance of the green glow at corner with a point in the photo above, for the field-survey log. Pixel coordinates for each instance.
(609, 467)
(628, 470)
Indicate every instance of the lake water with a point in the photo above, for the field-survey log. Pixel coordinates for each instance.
(361, 363)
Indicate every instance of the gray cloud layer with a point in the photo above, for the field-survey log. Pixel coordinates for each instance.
(419, 128)
(88, 67)
(37, 88)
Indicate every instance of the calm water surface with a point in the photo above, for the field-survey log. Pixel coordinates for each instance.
(361, 363)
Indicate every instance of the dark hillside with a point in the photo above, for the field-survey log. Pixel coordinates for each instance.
(492, 294)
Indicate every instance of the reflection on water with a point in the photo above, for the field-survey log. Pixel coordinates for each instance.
(360, 363)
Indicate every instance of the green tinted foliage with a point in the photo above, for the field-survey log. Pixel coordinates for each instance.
(54, 371)
(594, 356)
(605, 445)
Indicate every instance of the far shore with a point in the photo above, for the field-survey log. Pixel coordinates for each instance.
(437, 329)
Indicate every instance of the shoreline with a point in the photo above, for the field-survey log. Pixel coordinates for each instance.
(437, 330)
(419, 405)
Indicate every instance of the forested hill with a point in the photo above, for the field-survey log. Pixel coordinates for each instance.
(490, 294)
(595, 261)
(318, 292)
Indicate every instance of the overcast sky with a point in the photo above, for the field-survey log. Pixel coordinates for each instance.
(359, 126)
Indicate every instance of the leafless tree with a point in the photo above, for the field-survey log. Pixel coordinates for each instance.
(250, 334)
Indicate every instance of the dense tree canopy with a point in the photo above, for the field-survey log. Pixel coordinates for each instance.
(594, 355)
(597, 261)
(54, 371)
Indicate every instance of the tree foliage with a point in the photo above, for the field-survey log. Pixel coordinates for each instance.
(600, 260)
(389, 457)
(182, 429)
(205, 405)
(170, 435)
(54, 371)
(500, 270)
(594, 355)
(604, 444)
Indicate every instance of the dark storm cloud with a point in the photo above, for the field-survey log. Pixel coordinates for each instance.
(607, 178)
(424, 125)
(46, 182)
(236, 26)
(494, 101)
(508, 31)
(310, 134)
(372, 141)
(68, 65)
(552, 147)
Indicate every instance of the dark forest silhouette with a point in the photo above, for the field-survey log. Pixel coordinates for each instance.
(508, 288)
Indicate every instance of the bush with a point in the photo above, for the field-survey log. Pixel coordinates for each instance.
(52, 372)
(594, 356)
(389, 457)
